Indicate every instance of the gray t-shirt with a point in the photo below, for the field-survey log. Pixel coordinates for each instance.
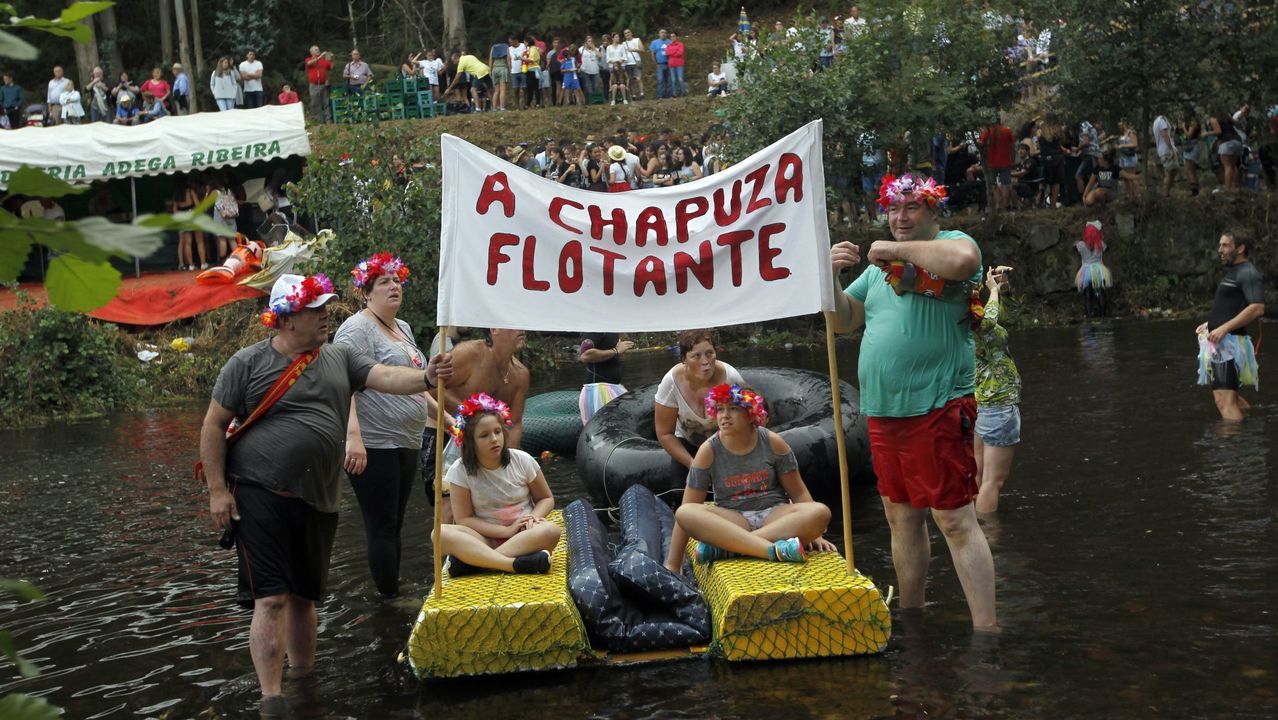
(297, 446)
(745, 482)
(386, 421)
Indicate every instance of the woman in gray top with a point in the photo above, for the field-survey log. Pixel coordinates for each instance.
(384, 432)
(762, 508)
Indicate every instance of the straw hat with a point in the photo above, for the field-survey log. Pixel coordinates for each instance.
(617, 153)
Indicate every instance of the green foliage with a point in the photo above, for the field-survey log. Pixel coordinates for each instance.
(17, 706)
(371, 209)
(55, 362)
(1141, 59)
(247, 25)
(921, 68)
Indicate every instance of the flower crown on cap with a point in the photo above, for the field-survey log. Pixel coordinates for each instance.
(382, 263)
(894, 191)
(745, 398)
(477, 403)
(302, 295)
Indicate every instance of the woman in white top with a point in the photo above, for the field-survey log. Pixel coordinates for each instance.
(72, 110)
(225, 84)
(615, 55)
(681, 420)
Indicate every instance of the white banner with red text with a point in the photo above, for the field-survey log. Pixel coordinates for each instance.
(744, 245)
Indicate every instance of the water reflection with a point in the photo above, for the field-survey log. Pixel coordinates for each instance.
(1135, 549)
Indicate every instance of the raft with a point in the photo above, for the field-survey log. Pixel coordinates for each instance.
(499, 623)
(765, 610)
(618, 447)
(552, 421)
(629, 601)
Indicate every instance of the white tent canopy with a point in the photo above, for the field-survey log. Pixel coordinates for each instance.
(98, 151)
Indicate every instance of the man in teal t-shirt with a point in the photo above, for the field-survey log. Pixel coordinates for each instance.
(917, 376)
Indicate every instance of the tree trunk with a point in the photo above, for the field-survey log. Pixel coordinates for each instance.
(199, 45)
(184, 45)
(86, 55)
(454, 26)
(350, 11)
(107, 36)
(166, 32)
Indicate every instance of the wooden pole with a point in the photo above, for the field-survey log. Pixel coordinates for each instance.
(442, 398)
(184, 52)
(840, 440)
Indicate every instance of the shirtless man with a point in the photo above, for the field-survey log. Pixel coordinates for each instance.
(488, 366)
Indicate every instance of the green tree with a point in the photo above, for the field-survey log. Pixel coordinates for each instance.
(921, 68)
(374, 205)
(247, 25)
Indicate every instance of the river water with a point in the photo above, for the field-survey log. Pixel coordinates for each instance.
(1136, 550)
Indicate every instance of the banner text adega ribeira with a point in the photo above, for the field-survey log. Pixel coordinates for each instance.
(161, 163)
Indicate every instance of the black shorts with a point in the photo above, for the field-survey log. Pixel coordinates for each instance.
(1224, 376)
(283, 545)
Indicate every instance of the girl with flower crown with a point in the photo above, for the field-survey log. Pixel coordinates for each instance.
(384, 432)
(500, 497)
(762, 508)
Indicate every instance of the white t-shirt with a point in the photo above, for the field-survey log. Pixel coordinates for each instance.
(1165, 146)
(632, 166)
(254, 67)
(431, 68)
(633, 47)
(854, 26)
(589, 61)
(515, 56)
(498, 496)
(692, 424)
(615, 54)
(713, 79)
(617, 173)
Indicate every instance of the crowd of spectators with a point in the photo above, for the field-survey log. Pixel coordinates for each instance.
(125, 102)
(622, 161)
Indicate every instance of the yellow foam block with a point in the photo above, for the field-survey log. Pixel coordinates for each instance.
(499, 623)
(763, 610)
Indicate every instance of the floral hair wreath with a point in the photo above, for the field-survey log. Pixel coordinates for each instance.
(382, 263)
(305, 294)
(477, 403)
(894, 191)
(745, 398)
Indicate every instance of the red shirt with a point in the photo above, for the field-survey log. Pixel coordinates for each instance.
(998, 142)
(674, 54)
(290, 97)
(317, 70)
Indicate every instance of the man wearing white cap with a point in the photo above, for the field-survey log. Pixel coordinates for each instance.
(273, 480)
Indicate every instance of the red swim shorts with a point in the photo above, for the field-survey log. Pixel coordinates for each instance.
(927, 460)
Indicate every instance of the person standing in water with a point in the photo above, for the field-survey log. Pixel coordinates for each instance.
(1226, 356)
(998, 398)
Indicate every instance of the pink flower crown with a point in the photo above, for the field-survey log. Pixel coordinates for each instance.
(306, 293)
(895, 191)
(746, 398)
(477, 403)
(382, 263)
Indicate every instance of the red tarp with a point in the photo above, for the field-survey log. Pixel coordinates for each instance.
(153, 299)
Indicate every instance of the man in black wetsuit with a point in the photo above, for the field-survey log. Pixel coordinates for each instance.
(1239, 301)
